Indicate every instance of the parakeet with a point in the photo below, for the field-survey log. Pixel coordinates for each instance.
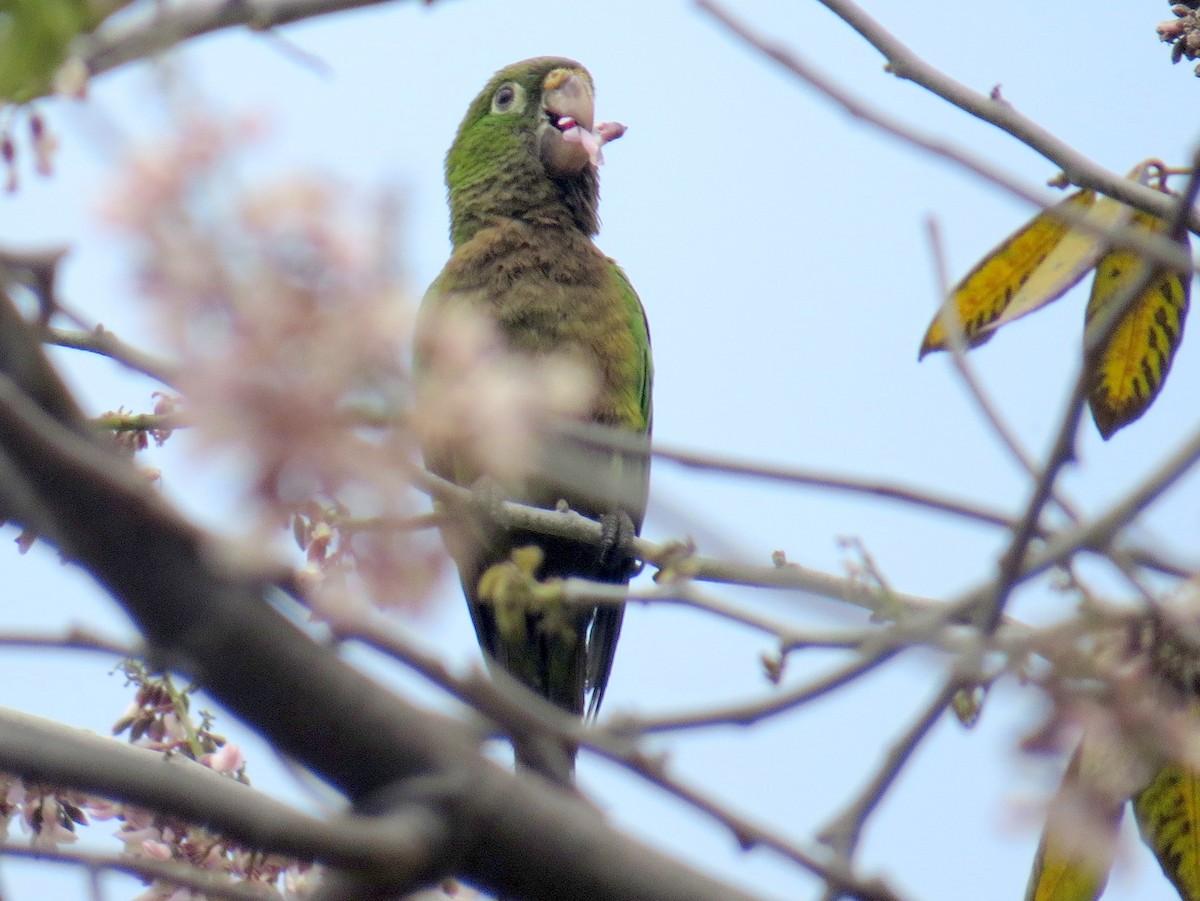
(523, 191)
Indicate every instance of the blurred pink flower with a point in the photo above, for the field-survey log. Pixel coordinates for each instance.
(281, 302)
(228, 759)
(479, 403)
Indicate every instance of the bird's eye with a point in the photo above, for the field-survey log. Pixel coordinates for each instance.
(505, 98)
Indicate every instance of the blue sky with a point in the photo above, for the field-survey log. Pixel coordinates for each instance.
(781, 253)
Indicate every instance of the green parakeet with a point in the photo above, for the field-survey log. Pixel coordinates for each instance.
(523, 191)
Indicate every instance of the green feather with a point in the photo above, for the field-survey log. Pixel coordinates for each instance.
(521, 228)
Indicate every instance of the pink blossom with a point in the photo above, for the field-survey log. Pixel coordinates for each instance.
(103, 809)
(282, 305)
(157, 850)
(228, 759)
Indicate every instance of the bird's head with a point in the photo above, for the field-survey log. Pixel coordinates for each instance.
(533, 125)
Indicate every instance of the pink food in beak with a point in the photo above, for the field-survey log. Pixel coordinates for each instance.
(593, 140)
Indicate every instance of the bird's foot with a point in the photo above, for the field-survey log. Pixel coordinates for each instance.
(617, 533)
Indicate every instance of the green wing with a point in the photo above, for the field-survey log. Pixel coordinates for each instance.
(640, 329)
(606, 627)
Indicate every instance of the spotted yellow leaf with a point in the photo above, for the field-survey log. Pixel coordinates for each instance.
(1168, 816)
(1065, 266)
(1034, 266)
(1128, 371)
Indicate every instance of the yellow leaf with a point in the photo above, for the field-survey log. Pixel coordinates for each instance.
(1128, 370)
(1080, 836)
(1060, 876)
(1065, 266)
(1035, 265)
(1168, 816)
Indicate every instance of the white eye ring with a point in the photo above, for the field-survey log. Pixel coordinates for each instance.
(508, 97)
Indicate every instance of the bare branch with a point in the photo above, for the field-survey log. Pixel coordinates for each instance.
(1063, 450)
(40, 750)
(106, 344)
(585, 593)
(1098, 533)
(208, 617)
(76, 638)
(1151, 246)
(1078, 169)
(611, 438)
(121, 42)
(842, 834)
(747, 714)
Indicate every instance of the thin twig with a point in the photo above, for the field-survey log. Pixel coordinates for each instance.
(505, 701)
(585, 593)
(842, 834)
(797, 476)
(1078, 169)
(615, 439)
(749, 713)
(1081, 172)
(1061, 453)
(76, 638)
(106, 344)
(1098, 533)
(1097, 335)
(121, 42)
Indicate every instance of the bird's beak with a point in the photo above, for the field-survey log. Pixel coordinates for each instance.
(567, 143)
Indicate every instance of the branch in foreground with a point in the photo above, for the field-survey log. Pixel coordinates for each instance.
(204, 615)
(615, 440)
(507, 702)
(209, 885)
(44, 751)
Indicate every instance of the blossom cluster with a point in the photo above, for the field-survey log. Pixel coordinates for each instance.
(283, 306)
(159, 719)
